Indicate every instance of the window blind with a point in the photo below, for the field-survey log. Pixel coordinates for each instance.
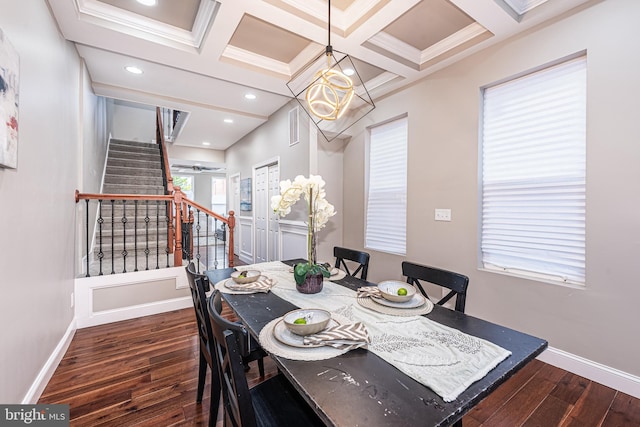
(533, 174)
(386, 213)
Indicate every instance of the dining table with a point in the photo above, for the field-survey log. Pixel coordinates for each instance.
(362, 387)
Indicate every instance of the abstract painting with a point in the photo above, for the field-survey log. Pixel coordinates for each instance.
(9, 68)
(245, 194)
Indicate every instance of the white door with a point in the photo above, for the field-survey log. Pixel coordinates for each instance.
(261, 213)
(274, 189)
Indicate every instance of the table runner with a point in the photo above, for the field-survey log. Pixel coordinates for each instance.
(442, 358)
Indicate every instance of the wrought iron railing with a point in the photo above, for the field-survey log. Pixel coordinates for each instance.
(141, 232)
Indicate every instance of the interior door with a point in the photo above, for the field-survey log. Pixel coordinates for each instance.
(274, 189)
(261, 213)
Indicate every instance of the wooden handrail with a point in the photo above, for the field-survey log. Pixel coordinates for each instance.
(163, 147)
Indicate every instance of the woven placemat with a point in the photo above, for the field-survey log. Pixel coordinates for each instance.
(271, 344)
(222, 288)
(339, 275)
(366, 302)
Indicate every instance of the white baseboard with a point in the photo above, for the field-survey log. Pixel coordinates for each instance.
(134, 311)
(50, 366)
(610, 377)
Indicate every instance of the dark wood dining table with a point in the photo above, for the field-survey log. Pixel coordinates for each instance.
(384, 396)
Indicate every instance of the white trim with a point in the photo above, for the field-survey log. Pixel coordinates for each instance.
(602, 374)
(50, 366)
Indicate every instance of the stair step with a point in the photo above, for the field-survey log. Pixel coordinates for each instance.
(122, 155)
(133, 171)
(134, 144)
(133, 189)
(130, 148)
(138, 180)
(133, 163)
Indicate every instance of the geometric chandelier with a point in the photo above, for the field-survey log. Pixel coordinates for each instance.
(330, 91)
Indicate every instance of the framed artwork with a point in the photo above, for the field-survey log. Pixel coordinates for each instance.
(245, 194)
(9, 68)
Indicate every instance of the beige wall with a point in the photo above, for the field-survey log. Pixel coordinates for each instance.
(597, 322)
(37, 207)
(313, 154)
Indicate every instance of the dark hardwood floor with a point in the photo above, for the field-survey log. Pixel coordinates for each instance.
(143, 372)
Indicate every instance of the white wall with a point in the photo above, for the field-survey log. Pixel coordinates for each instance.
(598, 322)
(132, 123)
(195, 154)
(37, 209)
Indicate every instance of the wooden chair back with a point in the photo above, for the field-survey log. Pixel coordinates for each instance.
(457, 283)
(359, 257)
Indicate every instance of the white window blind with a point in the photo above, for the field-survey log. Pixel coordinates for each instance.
(533, 174)
(386, 217)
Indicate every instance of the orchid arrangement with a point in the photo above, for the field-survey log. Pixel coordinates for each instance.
(319, 212)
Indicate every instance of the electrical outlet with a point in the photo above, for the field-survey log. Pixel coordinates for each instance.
(72, 300)
(443, 215)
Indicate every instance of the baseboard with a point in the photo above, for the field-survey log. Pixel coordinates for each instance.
(610, 377)
(135, 311)
(50, 366)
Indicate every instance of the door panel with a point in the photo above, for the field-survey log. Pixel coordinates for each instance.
(274, 189)
(261, 212)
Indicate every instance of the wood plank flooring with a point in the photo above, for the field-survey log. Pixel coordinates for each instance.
(143, 372)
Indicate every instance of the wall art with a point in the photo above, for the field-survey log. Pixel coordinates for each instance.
(9, 73)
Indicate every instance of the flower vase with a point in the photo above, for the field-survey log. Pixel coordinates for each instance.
(312, 284)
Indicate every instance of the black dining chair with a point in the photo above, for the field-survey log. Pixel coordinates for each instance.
(249, 347)
(205, 334)
(361, 258)
(273, 402)
(457, 283)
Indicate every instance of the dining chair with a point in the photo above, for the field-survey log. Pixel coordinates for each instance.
(457, 283)
(273, 402)
(249, 348)
(205, 334)
(344, 254)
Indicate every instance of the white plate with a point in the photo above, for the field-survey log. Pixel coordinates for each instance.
(285, 336)
(334, 271)
(414, 302)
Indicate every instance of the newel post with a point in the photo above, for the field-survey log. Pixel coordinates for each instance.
(177, 253)
(232, 225)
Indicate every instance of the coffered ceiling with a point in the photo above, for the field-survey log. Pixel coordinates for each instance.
(203, 56)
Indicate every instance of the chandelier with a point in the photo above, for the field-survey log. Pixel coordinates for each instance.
(330, 90)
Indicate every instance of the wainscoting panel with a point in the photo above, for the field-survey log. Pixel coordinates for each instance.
(293, 239)
(246, 239)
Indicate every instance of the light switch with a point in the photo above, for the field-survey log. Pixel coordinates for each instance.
(443, 215)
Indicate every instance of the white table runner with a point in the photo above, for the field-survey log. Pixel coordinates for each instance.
(442, 358)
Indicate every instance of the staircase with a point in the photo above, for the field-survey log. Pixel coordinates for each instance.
(132, 168)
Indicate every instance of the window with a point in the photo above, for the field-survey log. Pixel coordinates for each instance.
(185, 182)
(533, 174)
(219, 195)
(386, 213)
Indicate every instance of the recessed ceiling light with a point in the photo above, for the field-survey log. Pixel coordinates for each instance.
(148, 2)
(250, 96)
(133, 70)
(228, 120)
(348, 71)
(206, 143)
